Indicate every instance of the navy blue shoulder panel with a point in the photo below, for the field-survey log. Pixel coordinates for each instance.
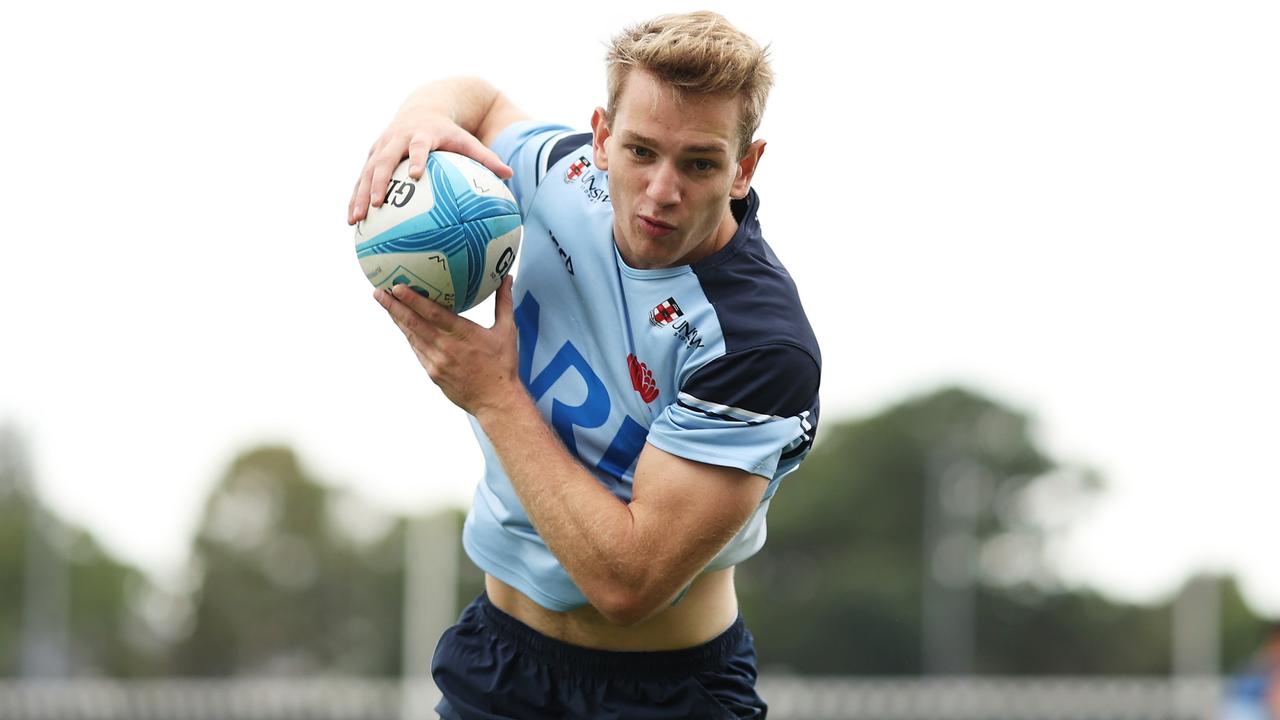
(566, 145)
(771, 364)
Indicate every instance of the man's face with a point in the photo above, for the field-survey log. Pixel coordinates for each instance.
(672, 170)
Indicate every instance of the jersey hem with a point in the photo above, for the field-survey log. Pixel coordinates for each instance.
(513, 578)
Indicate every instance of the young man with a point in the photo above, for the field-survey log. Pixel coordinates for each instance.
(643, 390)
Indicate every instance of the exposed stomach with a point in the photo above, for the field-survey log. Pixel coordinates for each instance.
(707, 609)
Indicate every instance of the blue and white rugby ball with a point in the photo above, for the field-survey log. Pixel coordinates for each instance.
(451, 236)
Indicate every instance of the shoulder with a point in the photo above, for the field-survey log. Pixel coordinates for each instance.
(771, 365)
(533, 148)
(755, 299)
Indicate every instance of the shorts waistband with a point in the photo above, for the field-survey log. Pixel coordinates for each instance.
(710, 655)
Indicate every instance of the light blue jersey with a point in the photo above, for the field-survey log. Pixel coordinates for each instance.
(714, 362)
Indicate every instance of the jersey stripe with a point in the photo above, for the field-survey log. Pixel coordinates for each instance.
(555, 148)
(733, 413)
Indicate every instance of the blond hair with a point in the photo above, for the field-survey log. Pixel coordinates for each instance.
(698, 53)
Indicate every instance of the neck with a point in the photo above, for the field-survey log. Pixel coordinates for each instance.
(724, 233)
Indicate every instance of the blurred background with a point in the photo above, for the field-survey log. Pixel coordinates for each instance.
(1037, 242)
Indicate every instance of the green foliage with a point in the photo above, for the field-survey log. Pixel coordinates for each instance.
(283, 590)
(293, 577)
(1243, 632)
(97, 612)
(843, 558)
(1032, 631)
(838, 586)
(470, 577)
(102, 614)
(14, 515)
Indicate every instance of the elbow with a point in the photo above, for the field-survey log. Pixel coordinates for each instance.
(624, 614)
(626, 606)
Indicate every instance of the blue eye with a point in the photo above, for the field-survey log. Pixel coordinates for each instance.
(640, 152)
(703, 165)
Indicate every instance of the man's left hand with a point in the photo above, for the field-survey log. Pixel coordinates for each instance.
(476, 367)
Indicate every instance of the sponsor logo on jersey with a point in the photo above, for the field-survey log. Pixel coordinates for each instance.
(564, 256)
(642, 379)
(577, 168)
(595, 191)
(665, 312)
(687, 334)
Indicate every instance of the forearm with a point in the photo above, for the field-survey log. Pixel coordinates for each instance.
(466, 100)
(592, 533)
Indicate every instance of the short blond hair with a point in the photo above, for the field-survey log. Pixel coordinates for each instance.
(699, 53)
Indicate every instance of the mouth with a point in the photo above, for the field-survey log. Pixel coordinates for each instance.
(655, 228)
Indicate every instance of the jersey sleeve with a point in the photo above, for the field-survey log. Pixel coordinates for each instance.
(530, 148)
(755, 410)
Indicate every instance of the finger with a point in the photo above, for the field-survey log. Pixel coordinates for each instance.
(431, 311)
(358, 204)
(418, 150)
(351, 204)
(427, 354)
(465, 143)
(503, 317)
(420, 333)
(383, 167)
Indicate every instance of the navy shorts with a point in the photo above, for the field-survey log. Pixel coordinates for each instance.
(490, 665)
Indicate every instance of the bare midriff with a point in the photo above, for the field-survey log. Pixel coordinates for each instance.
(706, 610)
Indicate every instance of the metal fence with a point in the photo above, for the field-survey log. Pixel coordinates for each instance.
(790, 698)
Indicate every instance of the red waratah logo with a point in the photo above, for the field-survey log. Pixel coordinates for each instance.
(642, 379)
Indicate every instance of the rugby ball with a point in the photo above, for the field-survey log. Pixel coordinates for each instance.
(451, 236)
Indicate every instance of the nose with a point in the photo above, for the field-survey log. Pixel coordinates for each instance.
(664, 184)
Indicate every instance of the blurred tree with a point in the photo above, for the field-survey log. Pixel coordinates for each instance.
(107, 637)
(15, 513)
(96, 630)
(293, 577)
(847, 530)
(838, 587)
(1031, 630)
(1242, 631)
(470, 577)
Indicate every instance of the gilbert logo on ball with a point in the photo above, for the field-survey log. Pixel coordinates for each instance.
(451, 236)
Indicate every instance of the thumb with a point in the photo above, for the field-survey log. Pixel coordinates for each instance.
(502, 312)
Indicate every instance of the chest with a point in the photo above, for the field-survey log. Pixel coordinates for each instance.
(603, 348)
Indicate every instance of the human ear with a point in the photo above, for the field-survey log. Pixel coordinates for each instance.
(746, 170)
(600, 133)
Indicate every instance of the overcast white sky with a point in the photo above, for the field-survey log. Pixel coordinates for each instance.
(1070, 206)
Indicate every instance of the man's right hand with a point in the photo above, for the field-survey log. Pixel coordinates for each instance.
(417, 129)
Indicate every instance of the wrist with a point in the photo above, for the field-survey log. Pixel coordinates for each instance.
(506, 401)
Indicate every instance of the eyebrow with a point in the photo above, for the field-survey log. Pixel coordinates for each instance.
(718, 149)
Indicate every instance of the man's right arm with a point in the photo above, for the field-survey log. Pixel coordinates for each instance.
(461, 114)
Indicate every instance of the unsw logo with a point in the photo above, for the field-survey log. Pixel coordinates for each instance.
(665, 313)
(595, 193)
(577, 168)
(688, 334)
(592, 186)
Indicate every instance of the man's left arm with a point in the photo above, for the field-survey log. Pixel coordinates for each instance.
(629, 560)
